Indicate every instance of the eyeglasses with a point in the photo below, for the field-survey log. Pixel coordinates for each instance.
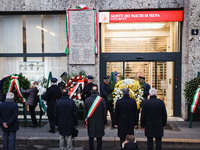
(107, 80)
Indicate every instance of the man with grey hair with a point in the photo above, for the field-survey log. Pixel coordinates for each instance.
(9, 121)
(153, 119)
(125, 115)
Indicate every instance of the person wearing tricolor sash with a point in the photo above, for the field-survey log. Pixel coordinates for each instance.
(95, 117)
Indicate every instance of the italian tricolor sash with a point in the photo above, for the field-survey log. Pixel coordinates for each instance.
(92, 108)
(195, 100)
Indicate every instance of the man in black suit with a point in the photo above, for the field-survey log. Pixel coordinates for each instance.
(125, 115)
(145, 86)
(9, 121)
(106, 92)
(87, 88)
(66, 119)
(97, 121)
(153, 119)
(61, 84)
(53, 93)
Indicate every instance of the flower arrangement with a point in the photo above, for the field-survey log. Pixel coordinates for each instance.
(134, 89)
(75, 86)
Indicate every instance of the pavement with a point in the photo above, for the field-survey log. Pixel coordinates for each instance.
(178, 136)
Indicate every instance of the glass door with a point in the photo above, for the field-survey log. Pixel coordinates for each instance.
(158, 75)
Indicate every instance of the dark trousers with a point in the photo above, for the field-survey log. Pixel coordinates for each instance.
(99, 143)
(32, 113)
(137, 116)
(110, 108)
(9, 140)
(50, 114)
(52, 124)
(150, 143)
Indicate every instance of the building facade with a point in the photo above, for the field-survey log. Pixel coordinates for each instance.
(165, 52)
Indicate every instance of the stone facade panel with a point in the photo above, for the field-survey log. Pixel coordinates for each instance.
(75, 3)
(90, 70)
(171, 3)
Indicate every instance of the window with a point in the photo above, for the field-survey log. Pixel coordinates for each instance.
(140, 37)
(29, 34)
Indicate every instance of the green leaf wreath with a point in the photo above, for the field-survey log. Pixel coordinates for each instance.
(189, 91)
(24, 83)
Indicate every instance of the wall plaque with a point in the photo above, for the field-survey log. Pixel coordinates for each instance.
(81, 37)
(32, 70)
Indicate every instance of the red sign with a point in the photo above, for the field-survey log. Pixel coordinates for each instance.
(147, 16)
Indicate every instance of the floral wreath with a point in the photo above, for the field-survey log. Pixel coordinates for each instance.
(75, 87)
(135, 91)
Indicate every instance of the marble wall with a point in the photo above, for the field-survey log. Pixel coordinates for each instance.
(190, 43)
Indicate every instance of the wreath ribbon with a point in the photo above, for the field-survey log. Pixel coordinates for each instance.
(73, 90)
(14, 81)
(195, 100)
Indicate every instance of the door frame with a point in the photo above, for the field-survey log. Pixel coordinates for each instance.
(145, 57)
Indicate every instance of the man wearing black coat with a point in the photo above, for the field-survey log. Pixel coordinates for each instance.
(97, 121)
(106, 91)
(65, 119)
(62, 83)
(87, 88)
(9, 121)
(125, 115)
(53, 93)
(153, 119)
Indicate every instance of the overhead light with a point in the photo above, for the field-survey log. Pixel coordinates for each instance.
(52, 33)
(41, 28)
(123, 26)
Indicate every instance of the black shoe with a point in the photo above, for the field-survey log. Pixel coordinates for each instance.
(33, 126)
(51, 131)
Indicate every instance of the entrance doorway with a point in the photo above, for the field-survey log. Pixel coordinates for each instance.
(148, 48)
(159, 75)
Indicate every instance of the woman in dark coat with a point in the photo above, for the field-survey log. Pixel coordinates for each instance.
(32, 102)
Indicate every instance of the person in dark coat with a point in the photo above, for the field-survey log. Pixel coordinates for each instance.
(97, 121)
(153, 119)
(145, 87)
(125, 115)
(53, 93)
(106, 91)
(32, 102)
(65, 119)
(61, 84)
(87, 88)
(2, 95)
(130, 143)
(9, 121)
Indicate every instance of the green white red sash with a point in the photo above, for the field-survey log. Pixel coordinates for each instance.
(195, 100)
(14, 81)
(92, 108)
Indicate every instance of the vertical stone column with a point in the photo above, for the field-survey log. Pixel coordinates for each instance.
(190, 47)
(81, 40)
